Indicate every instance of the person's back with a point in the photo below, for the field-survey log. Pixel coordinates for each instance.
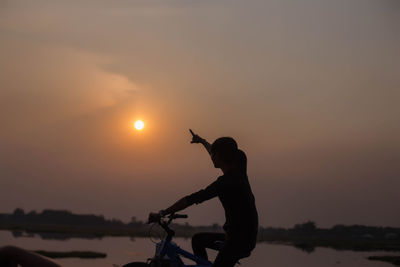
(240, 210)
(234, 192)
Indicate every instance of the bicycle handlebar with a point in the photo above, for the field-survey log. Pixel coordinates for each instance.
(177, 216)
(165, 224)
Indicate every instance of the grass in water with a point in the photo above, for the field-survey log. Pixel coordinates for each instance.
(71, 254)
(391, 259)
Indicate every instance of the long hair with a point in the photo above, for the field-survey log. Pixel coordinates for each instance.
(241, 159)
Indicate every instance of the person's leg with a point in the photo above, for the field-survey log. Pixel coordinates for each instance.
(227, 257)
(232, 251)
(201, 241)
(14, 255)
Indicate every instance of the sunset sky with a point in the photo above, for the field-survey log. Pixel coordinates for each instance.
(310, 89)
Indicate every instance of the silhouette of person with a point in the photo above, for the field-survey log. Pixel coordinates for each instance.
(234, 191)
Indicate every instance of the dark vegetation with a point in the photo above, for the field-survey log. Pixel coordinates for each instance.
(307, 236)
(71, 254)
(61, 224)
(391, 259)
(56, 224)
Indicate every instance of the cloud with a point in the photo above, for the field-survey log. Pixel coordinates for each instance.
(47, 83)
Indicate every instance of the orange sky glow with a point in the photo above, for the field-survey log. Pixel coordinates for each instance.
(309, 89)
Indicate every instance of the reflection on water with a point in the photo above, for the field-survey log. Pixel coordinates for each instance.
(121, 250)
(52, 236)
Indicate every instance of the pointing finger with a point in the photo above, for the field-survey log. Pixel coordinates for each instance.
(192, 132)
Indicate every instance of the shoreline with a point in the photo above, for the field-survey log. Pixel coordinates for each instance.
(305, 242)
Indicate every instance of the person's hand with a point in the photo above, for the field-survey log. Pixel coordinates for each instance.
(195, 138)
(154, 217)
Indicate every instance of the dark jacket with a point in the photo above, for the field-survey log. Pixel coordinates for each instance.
(234, 192)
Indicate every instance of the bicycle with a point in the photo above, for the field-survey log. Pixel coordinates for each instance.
(168, 254)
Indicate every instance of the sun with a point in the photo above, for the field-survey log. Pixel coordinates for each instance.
(139, 125)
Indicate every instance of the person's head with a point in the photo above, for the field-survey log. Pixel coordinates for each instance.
(225, 152)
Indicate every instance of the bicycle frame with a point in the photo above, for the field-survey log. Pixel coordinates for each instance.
(168, 248)
(173, 251)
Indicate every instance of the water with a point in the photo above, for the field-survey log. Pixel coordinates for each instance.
(121, 250)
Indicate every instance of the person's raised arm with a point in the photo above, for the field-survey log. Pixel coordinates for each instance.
(197, 139)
